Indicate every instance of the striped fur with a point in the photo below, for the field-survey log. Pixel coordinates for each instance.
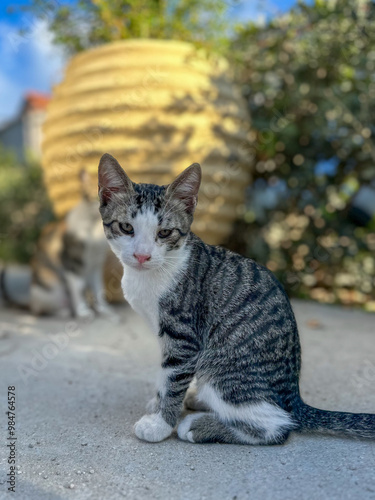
(220, 318)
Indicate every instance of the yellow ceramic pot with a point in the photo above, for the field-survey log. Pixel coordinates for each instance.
(157, 106)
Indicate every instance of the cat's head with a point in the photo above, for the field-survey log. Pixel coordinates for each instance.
(145, 224)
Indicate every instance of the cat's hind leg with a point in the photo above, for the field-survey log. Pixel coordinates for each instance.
(205, 428)
(257, 423)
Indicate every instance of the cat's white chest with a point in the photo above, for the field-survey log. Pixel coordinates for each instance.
(143, 291)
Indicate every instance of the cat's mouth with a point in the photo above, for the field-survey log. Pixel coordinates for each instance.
(142, 267)
(145, 266)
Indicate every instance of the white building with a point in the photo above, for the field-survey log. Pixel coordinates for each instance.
(23, 134)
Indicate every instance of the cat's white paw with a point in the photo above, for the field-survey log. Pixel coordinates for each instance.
(152, 428)
(84, 312)
(184, 427)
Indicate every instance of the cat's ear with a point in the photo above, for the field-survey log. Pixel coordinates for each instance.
(111, 179)
(186, 187)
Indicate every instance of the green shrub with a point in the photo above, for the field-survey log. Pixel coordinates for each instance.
(24, 208)
(203, 22)
(309, 81)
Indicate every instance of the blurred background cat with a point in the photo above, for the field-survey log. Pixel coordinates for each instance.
(66, 275)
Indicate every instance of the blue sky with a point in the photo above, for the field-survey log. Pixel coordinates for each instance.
(32, 62)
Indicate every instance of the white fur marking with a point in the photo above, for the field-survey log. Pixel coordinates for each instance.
(164, 374)
(161, 388)
(263, 415)
(183, 430)
(152, 428)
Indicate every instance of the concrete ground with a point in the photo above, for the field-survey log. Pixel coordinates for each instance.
(81, 387)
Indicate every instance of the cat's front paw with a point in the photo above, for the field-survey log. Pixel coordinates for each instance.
(152, 428)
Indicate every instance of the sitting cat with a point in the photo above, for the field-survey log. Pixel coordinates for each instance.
(67, 268)
(220, 318)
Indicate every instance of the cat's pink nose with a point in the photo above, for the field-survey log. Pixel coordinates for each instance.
(142, 258)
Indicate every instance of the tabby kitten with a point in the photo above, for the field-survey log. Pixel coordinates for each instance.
(220, 317)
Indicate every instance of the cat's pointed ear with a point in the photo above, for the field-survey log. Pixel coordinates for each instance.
(186, 186)
(111, 179)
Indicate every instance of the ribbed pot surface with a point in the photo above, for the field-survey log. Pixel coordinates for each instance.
(157, 106)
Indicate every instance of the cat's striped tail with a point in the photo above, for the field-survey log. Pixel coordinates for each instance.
(360, 425)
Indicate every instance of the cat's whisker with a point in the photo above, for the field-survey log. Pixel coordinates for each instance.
(176, 259)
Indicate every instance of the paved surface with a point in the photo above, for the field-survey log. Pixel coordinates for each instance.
(76, 405)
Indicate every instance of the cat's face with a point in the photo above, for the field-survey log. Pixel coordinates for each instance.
(146, 225)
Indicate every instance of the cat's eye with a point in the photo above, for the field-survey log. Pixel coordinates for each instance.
(164, 233)
(126, 228)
